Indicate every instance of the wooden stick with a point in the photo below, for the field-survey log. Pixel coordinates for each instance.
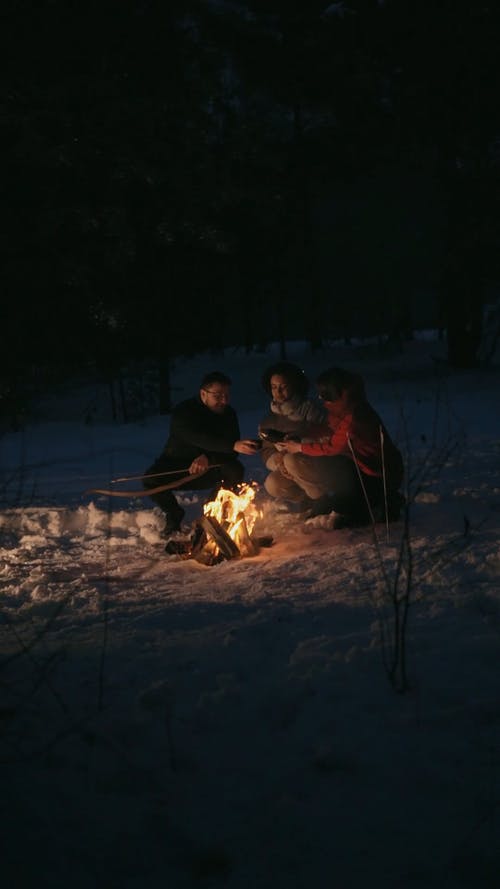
(215, 530)
(133, 478)
(148, 491)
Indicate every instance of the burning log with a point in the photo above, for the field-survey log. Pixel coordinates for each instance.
(209, 543)
(224, 531)
(246, 545)
(214, 529)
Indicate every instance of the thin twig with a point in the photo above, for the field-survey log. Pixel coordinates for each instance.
(133, 478)
(384, 480)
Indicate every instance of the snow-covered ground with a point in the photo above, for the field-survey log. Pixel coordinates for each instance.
(167, 724)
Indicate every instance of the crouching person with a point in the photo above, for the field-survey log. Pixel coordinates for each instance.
(204, 437)
(290, 414)
(356, 468)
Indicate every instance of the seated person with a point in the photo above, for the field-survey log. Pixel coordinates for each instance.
(291, 412)
(355, 468)
(204, 433)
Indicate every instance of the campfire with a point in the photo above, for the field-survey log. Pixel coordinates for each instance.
(225, 529)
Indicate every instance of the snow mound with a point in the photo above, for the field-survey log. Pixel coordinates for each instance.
(31, 526)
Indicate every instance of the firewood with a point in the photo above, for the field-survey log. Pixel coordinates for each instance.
(213, 529)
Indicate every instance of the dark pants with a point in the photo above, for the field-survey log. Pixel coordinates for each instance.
(348, 497)
(338, 480)
(227, 475)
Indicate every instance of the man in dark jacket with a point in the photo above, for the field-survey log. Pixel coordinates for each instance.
(204, 437)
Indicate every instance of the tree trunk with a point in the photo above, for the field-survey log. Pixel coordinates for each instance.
(462, 306)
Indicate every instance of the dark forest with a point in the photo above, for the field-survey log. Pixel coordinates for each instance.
(193, 175)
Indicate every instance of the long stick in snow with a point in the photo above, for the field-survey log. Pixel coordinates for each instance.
(384, 480)
(360, 476)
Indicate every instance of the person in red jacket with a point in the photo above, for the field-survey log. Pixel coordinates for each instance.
(357, 470)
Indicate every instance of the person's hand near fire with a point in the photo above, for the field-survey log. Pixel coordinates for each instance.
(199, 464)
(246, 446)
(290, 446)
(242, 446)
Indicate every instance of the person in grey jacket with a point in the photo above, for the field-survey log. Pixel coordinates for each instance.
(290, 415)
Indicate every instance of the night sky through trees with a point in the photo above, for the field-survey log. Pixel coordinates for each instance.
(206, 173)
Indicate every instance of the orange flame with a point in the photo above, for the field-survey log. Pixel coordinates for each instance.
(233, 509)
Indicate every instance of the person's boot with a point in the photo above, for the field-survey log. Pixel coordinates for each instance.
(173, 519)
(322, 506)
(342, 520)
(301, 507)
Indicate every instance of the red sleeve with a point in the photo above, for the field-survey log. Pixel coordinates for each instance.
(336, 444)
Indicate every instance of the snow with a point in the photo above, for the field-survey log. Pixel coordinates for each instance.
(164, 723)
